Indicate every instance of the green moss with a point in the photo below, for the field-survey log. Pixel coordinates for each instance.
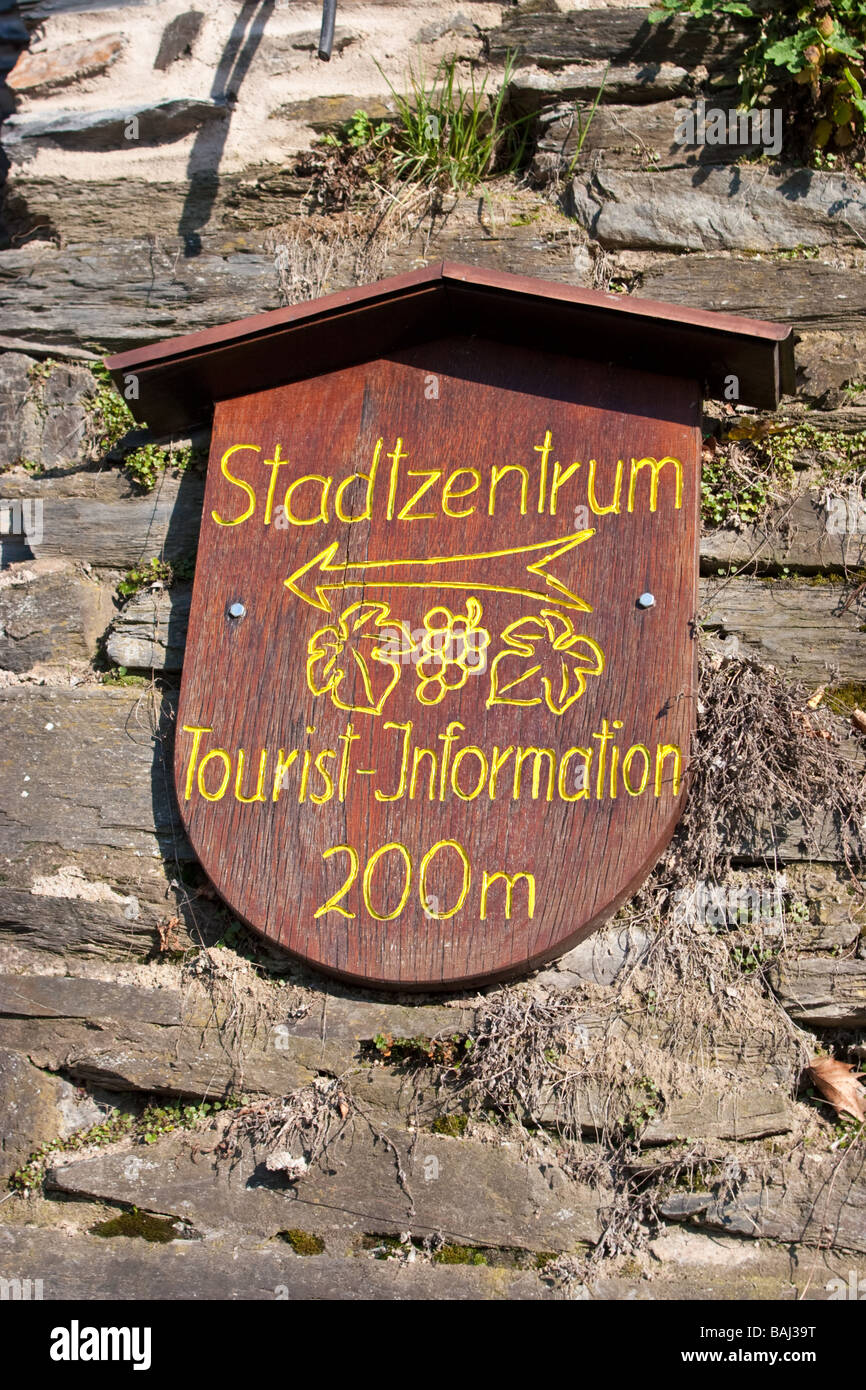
(842, 699)
(694, 1179)
(141, 1225)
(303, 1242)
(452, 1125)
(820, 580)
(459, 1255)
(385, 1247)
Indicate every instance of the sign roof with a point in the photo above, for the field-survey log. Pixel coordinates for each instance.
(181, 378)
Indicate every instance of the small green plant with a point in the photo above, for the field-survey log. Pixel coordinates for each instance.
(739, 482)
(799, 253)
(39, 372)
(142, 576)
(453, 136)
(231, 936)
(583, 126)
(812, 55)
(153, 1121)
(157, 1120)
(31, 1172)
(442, 1052)
(752, 960)
(835, 453)
(360, 132)
(110, 416)
(645, 1107)
(119, 676)
(145, 464)
(848, 1132)
(754, 467)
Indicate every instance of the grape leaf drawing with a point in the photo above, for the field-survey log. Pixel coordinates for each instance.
(544, 658)
(358, 660)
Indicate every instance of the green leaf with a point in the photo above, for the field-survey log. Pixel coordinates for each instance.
(843, 43)
(860, 107)
(788, 53)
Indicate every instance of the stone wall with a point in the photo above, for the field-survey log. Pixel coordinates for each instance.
(241, 1126)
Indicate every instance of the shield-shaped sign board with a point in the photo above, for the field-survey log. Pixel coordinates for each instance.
(439, 682)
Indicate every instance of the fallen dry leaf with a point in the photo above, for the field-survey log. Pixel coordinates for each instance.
(809, 728)
(838, 1084)
(166, 932)
(858, 719)
(816, 699)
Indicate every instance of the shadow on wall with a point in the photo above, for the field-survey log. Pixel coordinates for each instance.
(207, 150)
(14, 37)
(202, 922)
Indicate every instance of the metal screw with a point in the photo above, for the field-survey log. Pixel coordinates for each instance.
(646, 601)
(237, 610)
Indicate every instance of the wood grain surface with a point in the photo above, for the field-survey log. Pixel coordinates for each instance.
(461, 649)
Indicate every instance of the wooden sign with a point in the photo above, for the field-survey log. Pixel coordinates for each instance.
(439, 683)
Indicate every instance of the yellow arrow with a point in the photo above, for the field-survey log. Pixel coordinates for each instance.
(555, 592)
